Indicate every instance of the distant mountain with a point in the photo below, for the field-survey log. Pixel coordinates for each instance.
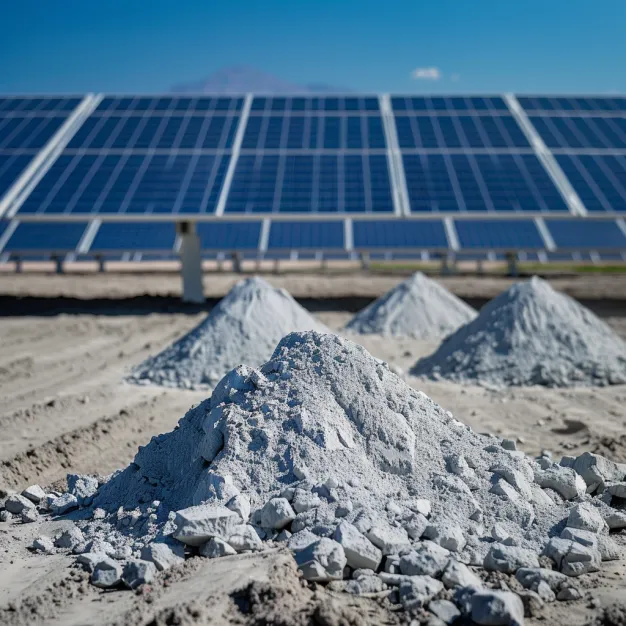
(242, 79)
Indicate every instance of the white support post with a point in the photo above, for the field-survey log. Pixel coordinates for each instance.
(348, 235)
(451, 234)
(546, 158)
(191, 263)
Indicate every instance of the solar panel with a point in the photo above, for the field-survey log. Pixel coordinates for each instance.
(133, 236)
(498, 234)
(302, 235)
(583, 104)
(599, 180)
(377, 234)
(26, 126)
(45, 236)
(580, 133)
(304, 183)
(229, 236)
(143, 155)
(478, 182)
(448, 104)
(586, 234)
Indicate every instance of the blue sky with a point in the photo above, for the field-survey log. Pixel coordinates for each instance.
(572, 46)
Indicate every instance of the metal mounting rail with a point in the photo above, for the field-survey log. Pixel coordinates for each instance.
(400, 194)
(546, 158)
(38, 167)
(234, 155)
(545, 234)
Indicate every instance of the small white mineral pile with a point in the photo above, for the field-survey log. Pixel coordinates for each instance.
(243, 328)
(419, 308)
(530, 335)
(372, 486)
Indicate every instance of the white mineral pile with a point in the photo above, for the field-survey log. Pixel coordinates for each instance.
(243, 328)
(530, 335)
(368, 482)
(419, 307)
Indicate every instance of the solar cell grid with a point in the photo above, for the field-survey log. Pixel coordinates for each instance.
(133, 236)
(400, 234)
(586, 234)
(573, 104)
(580, 133)
(53, 237)
(137, 105)
(301, 235)
(498, 234)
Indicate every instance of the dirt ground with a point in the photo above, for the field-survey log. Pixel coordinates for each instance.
(67, 341)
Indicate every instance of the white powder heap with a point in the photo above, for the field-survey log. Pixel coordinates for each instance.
(322, 408)
(418, 307)
(530, 335)
(243, 328)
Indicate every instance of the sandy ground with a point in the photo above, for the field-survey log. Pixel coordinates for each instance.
(63, 407)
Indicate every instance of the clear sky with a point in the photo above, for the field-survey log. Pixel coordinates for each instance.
(573, 46)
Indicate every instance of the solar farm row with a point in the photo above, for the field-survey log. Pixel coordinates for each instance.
(562, 235)
(196, 156)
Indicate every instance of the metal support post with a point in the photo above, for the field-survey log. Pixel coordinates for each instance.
(511, 259)
(191, 263)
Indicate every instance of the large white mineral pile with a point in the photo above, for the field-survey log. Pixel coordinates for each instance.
(530, 335)
(243, 328)
(418, 307)
(369, 483)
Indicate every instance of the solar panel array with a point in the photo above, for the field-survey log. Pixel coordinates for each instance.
(26, 125)
(334, 173)
(588, 138)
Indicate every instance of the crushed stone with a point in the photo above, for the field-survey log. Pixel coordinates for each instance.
(322, 423)
(530, 335)
(418, 307)
(244, 327)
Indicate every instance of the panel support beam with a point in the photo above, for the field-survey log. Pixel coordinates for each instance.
(546, 158)
(451, 234)
(234, 156)
(265, 235)
(7, 234)
(348, 235)
(191, 263)
(30, 177)
(545, 234)
(88, 236)
(394, 159)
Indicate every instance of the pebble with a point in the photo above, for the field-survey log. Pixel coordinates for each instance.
(63, 504)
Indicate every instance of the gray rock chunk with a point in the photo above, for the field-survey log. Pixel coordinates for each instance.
(300, 540)
(457, 574)
(43, 544)
(596, 470)
(608, 549)
(34, 493)
(568, 594)
(5, 516)
(388, 539)
(216, 548)
(89, 560)
(564, 480)
(497, 608)
(197, 524)
(164, 554)
(240, 504)
(445, 610)
(321, 561)
(585, 516)
(63, 504)
(29, 516)
(244, 537)
(446, 534)
(83, 487)
(415, 524)
(615, 520)
(531, 577)
(138, 572)
(305, 501)
(106, 573)
(16, 504)
(277, 513)
(364, 584)
(509, 559)
(515, 478)
(359, 550)
(417, 591)
(69, 538)
(428, 559)
(571, 557)
(617, 489)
